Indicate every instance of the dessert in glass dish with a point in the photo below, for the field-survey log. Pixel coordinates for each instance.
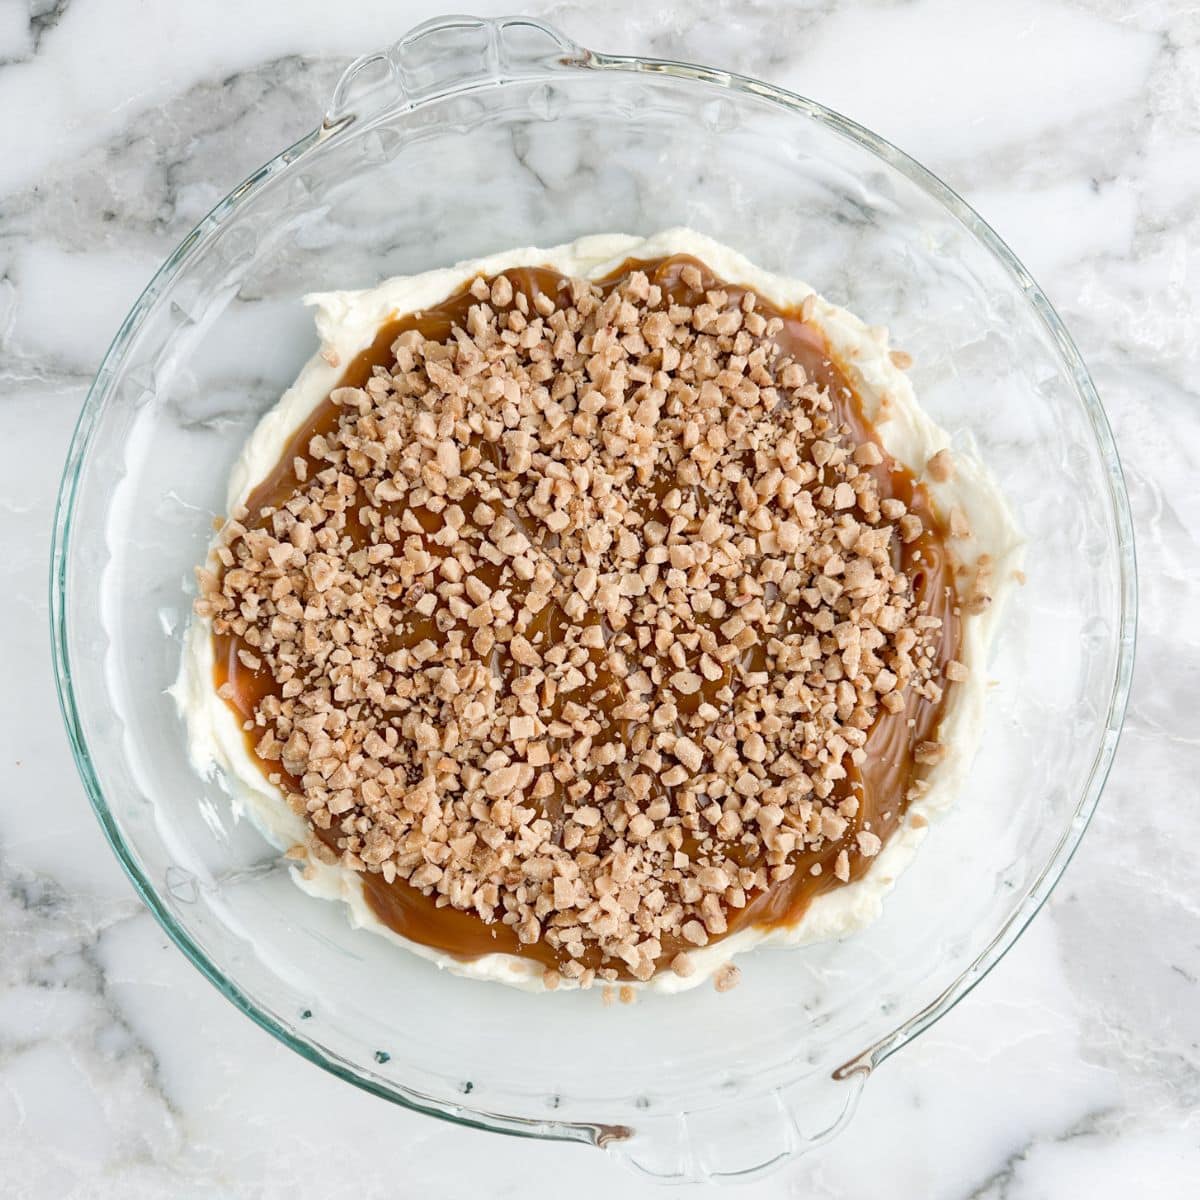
(588, 616)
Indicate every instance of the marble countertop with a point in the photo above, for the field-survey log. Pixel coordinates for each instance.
(1074, 1069)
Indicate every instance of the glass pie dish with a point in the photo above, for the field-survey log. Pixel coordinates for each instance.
(469, 136)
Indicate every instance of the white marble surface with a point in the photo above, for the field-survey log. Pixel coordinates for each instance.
(1074, 1069)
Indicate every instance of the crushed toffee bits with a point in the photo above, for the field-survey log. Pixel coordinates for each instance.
(590, 621)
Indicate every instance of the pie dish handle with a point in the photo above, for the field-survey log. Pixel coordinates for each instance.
(442, 57)
(745, 1139)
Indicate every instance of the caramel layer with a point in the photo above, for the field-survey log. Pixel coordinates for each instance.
(883, 780)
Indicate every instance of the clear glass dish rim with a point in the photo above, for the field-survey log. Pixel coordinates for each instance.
(948, 199)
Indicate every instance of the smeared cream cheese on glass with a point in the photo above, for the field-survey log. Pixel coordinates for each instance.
(347, 322)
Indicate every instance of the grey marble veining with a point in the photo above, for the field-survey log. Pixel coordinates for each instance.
(1074, 1069)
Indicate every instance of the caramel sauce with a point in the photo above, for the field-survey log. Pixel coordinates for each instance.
(882, 781)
